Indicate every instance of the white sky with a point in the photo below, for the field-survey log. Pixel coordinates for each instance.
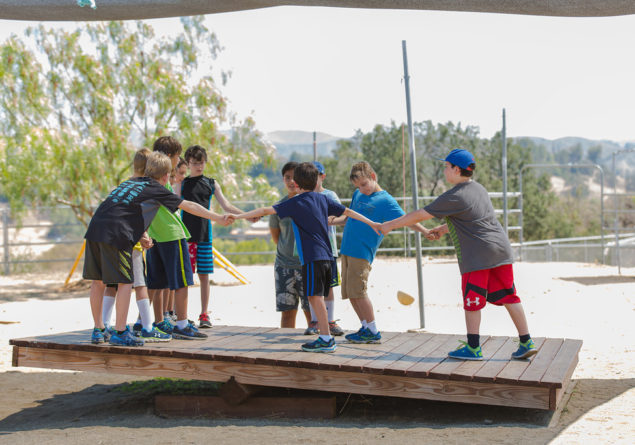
(338, 70)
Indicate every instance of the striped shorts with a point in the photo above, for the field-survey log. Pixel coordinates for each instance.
(201, 257)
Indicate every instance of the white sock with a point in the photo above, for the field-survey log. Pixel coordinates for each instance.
(145, 313)
(106, 309)
(364, 324)
(181, 324)
(326, 338)
(373, 327)
(330, 309)
(313, 317)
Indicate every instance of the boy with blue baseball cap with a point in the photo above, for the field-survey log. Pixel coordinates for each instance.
(482, 249)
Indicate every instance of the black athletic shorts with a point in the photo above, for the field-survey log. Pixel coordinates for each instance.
(104, 262)
(316, 278)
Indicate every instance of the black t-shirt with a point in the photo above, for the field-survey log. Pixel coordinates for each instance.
(199, 189)
(128, 211)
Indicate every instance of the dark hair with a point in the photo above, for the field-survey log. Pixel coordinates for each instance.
(181, 162)
(464, 172)
(362, 170)
(167, 145)
(305, 175)
(289, 166)
(196, 153)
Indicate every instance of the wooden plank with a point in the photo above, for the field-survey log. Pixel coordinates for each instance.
(563, 364)
(232, 348)
(423, 366)
(541, 361)
(468, 368)
(513, 369)
(383, 362)
(307, 407)
(289, 377)
(282, 342)
(345, 351)
(563, 399)
(449, 365)
(417, 354)
(497, 362)
(14, 356)
(372, 351)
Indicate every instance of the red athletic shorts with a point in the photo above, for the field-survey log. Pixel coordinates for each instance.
(494, 285)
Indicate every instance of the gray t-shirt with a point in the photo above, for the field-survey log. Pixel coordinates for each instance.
(478, 237)
(286, 255)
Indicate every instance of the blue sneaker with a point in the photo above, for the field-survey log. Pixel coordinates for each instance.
(125, 339)
(466, 353)
(525, 350)
(164, 326)
(188, 333)
(136, 328)
(320, 345)
(154, 335)
(98, 336)
(364, 336)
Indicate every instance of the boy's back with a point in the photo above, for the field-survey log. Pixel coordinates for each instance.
(199, 189)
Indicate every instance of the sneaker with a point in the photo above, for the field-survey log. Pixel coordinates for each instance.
(335, 329)
(525, 350)
(466, 353)
(155, 335)
(312, 329)
(364, 336)
(188, 333)
(320, 345)
(172, 318)
(98, 336)
(136, 328)
(204, 321)
(125, 339)
(164, 326)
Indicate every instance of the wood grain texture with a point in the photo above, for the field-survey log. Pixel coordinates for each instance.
(513, 369)
(562, 366)
(466, 370)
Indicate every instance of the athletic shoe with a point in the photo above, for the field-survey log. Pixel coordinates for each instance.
(364, 336)
(335, 329)
(465, 352)
(136, 328)
(312, 329)
(98, 336)
(164, 326)
(125, 339)
(525, 350)
(155, 335)
(204, 321)
(188, 333)
(320, 345)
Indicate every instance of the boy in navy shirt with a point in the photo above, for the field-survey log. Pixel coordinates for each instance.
(310, 211)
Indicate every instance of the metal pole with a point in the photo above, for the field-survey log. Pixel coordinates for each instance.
(314, 146)
(617, 237)
(5, 237)
(415, 194)
(520, 216)
(504, 168)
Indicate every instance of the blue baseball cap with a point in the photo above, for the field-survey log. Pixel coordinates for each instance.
(320, 167)
(461, 158)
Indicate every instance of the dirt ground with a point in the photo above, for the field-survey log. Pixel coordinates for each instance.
(568, 300)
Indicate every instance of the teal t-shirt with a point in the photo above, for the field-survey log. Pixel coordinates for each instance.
(167, 226)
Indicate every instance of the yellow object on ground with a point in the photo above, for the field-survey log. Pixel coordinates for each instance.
(224, 263)
(79, 256)
(404, 298)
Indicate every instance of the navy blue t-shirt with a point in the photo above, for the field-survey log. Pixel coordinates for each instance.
(309, 212)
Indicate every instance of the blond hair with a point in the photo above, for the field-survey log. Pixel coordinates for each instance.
(139, 161)
(158, 165)
(362, 170)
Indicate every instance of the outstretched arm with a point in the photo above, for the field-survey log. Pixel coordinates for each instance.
(256, 213)
(408, 219)
(199, 210)
(353, 214)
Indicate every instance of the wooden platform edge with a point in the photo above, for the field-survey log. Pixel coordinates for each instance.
(556, 394)
(288, 377)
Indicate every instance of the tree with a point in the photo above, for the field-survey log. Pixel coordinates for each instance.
(74, 109)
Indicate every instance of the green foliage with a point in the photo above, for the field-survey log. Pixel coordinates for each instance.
(226, 247)
(71, 109)
(162, 385)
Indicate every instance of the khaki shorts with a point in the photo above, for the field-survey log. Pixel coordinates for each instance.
(354, 277)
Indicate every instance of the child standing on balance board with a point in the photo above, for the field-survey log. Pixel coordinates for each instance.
(482, 249)
(310, 211)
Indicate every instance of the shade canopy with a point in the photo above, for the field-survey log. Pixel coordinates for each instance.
(67, 10)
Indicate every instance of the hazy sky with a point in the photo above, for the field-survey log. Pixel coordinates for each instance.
(338, 70)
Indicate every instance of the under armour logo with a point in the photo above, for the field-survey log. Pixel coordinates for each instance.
(469, 302)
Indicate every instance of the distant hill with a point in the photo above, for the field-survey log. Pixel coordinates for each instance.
(301, 142)
(555, 145)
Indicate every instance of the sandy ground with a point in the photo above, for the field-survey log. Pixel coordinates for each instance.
(568, 300)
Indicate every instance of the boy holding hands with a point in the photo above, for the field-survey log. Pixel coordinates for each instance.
(310, 211)
(482, 249)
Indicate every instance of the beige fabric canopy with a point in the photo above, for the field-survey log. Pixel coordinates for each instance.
(67, 10)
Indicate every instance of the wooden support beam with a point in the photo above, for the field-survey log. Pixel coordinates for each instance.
(235, 393)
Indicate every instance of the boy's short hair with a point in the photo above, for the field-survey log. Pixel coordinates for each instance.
(195, 153)
(305, 175)
(181, 162)
(158, 165)
(291, 165)
(139, 161)
(464, 172)
(362, 170)
(167, 145)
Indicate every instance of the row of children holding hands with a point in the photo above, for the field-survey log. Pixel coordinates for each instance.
(483, 251)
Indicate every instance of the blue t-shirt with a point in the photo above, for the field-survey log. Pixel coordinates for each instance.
(309, 212)
(359, 240)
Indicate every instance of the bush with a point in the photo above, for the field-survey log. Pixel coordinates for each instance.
(227, 247)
